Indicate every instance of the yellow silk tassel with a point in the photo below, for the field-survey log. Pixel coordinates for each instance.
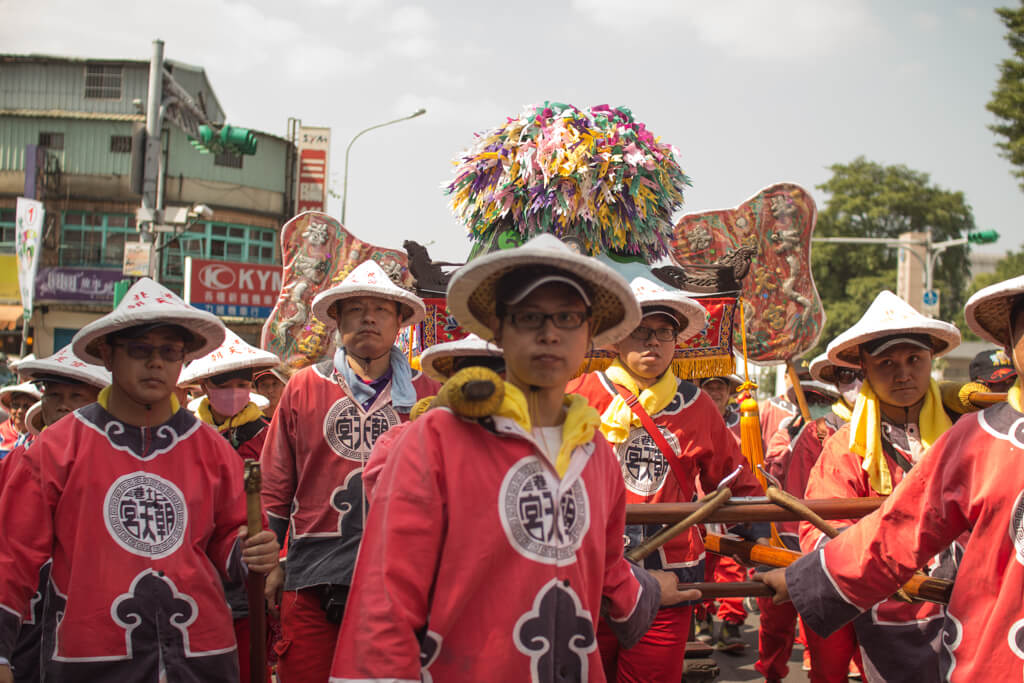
(750, 438)
(750, 425)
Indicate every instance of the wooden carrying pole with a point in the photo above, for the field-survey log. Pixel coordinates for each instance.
(801, 399)
(708, 505)
(919, 586)
(255, 582)
(757, 510)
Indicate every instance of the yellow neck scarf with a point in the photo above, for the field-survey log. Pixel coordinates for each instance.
(618, 417)
(866, 431)
(104, 398)
(580, 421)
(842, 410)
(250, 413)
(1015, 396)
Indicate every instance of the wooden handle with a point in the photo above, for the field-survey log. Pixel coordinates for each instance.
(253, 506)
(755, 553)
(255, 582)
(707, 507)
(919, 586)
(738, 589)
(986, 398)
(801, 400)
(787, 501)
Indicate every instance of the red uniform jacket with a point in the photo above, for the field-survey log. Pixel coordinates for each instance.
(142, 526)
(312, 462)
(704, 448)
(25, 659)
(792, 460)
(774, 414)
(969, 481)
(899, 641)
(480, 564)
(8, 436)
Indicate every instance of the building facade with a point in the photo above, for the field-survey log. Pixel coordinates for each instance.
(66, 130)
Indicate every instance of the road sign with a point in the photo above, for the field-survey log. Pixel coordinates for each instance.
(930, 299)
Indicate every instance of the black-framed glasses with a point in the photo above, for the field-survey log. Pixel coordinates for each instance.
(143, 351)
(534, 320)
(848, 375)
(643, 333)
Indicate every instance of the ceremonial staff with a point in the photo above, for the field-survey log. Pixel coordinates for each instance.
(256, 580)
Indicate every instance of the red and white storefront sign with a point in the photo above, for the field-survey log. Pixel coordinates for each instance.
(245, 290)
(314, 146)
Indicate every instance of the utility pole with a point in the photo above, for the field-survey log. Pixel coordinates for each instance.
(931, 255)
(152, 163)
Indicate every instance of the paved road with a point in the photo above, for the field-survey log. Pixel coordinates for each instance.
(739, 668)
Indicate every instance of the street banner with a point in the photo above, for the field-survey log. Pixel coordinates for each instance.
(28, 235)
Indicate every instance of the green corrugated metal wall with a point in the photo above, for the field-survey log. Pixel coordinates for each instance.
(87, 151)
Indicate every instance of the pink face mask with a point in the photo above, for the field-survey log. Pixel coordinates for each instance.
(228, 402)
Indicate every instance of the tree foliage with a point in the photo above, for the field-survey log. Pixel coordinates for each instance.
(867, 199)
(1007, 101)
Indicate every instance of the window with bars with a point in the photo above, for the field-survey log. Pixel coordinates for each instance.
(51, 140)
(228, 159)
(7, 225)
(95, 239)
(103, 81)
(121, 144)
(221, 242)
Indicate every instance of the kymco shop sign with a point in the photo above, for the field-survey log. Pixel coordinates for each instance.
(243, 290)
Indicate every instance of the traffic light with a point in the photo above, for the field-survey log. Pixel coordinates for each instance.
(983, 237)
(207, 141)
(238, 140)
(227, 139)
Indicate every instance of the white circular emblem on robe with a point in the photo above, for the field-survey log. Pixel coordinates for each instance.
(146, 514)
(539, 524)
(643, 466)
(352, 436)
(1016, 529)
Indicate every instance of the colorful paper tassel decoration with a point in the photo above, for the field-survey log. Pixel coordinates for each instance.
(596, 177)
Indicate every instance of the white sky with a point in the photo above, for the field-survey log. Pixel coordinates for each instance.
(751, 92)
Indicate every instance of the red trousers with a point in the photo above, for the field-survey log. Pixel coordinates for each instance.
(721, 569)
(830, 657)
(775, 638)
(306, 648)
(657, 658)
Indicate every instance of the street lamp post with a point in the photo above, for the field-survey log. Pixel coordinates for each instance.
(344, 186)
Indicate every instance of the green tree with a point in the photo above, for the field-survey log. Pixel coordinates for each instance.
(1007, 101)
(867, 199)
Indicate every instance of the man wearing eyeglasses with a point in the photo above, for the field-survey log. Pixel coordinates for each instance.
(696, 444)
